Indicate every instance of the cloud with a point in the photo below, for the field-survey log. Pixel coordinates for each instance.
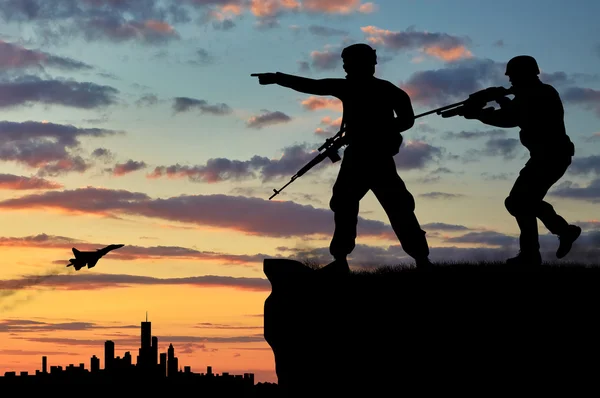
(208, 325)
(267, 119)
(145, 21)
(30, 326)
(221, 211)
(90, 281)
(325, 60)
(313, 103)
(439, 226)
(132, 252)
(586, 165)
(49, 147)
(468, 135)
(499, 247)
(135, 340)
(130, 166)
(441, 195)
(416, 155)
(222, 169)
(118, 29)
(338, 6)
(202, 57)
(587, 97)
(25, 90)
(184, 104)
(589, 193)
(319, 30)
(14, 182)
(13, 56)
(439, 45)
(332, 126)
(454, 82)
(147, 100)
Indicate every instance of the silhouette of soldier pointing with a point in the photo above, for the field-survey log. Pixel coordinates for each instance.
(373, 136)
(537, 109)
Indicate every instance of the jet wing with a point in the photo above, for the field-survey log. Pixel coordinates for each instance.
(92, 262)
(76, 252)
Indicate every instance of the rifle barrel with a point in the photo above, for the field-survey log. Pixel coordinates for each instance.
(443, 108)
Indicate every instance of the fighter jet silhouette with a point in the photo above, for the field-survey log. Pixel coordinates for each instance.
(89, 258)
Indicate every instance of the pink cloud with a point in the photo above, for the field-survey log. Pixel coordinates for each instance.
(439, 45)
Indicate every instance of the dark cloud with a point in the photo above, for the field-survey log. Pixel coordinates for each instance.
(495, 133)
(440, 45)
(221, 169)
(267, 119)
(440, 226)
(13, 56)
(569, 190)
(184, 104)
(134, 340)
(49, 147)
(202, 57)
(490, 238)
(585, 250)
(320, 30)
(147, 100)
(416, 155)
(586, 97)
(130, 166)
(231, 212)
(145, 21)
(25, 90)
(499, 43)
(30, 326)
(208, 325)
(132, 252)
(18, 183)
(441, 195)
(91, 281)
(587, 165)
(495, 177)
(455, 82)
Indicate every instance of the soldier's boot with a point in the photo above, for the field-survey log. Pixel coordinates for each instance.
(337, 266)
(566, 240)
(423, 264)
(530, 259)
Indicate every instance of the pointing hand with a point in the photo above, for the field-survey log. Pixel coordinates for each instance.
(265, 78)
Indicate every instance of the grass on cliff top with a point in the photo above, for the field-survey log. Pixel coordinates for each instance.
(464, 267)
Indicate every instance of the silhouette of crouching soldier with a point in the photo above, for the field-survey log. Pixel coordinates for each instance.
(537, 109)
(373, 136)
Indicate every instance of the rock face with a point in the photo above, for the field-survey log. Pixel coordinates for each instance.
(382, 335)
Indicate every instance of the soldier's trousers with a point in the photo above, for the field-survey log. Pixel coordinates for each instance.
(525, 201)
(356, 177)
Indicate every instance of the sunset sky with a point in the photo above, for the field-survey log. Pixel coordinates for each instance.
(137, 122)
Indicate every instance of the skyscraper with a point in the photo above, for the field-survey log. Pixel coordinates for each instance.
(44, 364)
(154, 350)
(163, 364)
(146, 342)
(171, 361)
(94, 364)
(109, 354)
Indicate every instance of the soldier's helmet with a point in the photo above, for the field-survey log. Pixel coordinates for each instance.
(359, 53)
(522, 65)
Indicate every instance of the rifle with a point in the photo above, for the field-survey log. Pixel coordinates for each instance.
(331, 146)
(330, 150)
(475, 101)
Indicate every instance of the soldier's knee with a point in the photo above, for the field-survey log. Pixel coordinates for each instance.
(511, 205)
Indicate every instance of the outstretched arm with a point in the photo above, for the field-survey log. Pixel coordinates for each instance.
(302, 84)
